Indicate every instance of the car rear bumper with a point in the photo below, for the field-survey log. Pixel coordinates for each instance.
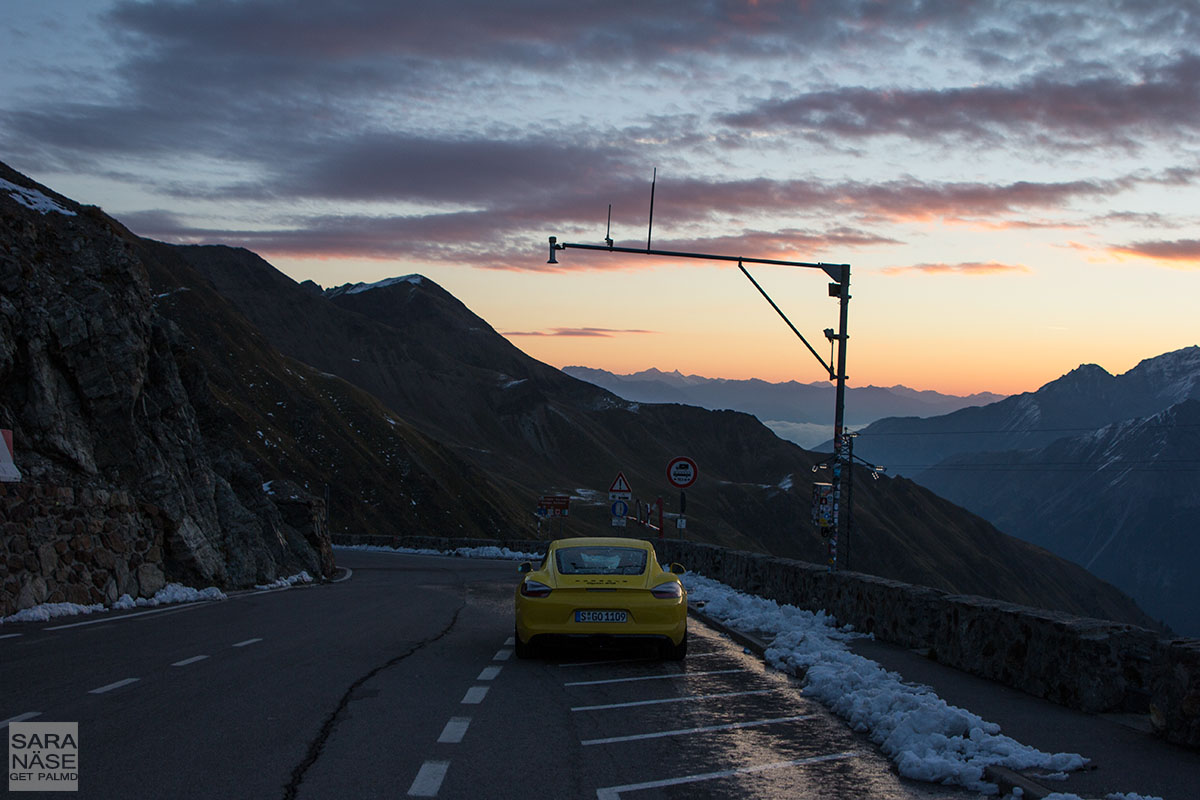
(646, 617)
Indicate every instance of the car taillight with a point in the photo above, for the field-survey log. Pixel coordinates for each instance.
(534, 589)
(668, 591)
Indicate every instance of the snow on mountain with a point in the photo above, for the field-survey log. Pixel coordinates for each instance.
(359, 288)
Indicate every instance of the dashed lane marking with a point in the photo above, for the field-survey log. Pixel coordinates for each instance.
(20, 718)
(429, 779)
(614, 792)
(248, 641)
(116, 685)
(655, 677)
(187, 661)
(455, 730)
(502, 655)
(684, 699)
(10, 636)
(729, 726)
(488, 674)
(123, 617)
(509, 642)
(475, 695)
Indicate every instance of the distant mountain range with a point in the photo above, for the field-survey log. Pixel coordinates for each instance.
(1101, 469)
(799, 412)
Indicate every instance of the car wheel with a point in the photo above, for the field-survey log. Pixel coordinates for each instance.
(674, 652)
(523, 649)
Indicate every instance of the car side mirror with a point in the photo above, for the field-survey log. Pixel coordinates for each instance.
(677, 569)
(524, 567)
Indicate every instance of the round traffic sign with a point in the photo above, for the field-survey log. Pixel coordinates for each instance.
(620, 508)
(682, 472)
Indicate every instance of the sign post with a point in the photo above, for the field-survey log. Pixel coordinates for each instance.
(682, 473)
(619, 494)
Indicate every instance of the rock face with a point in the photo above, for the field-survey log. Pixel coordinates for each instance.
(95, 385)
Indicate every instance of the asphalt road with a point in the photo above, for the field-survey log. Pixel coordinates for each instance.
(401, 681)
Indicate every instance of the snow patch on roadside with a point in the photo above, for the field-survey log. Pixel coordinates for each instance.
(291, 580)
(462, 552)
(171, 593)
(924, 736)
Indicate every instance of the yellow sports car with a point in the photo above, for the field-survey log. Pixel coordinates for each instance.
(601, 587)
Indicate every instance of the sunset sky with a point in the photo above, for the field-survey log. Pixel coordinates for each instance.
(1016, 186)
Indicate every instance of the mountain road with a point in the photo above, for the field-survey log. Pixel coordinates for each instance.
(400, 680)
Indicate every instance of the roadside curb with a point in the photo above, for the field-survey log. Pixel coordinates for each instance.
(758, 646)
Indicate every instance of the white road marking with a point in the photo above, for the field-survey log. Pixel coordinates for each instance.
(475, 695)
(502, 655)
(20, 718)
(248, 641)
(655, 677)
(455, 730)
(684, 699)
(112, 686)
(606, 661)
(614, 792)
(187, 661)
(123, 617)
(10, 636)
(510, 641)
(488, 674)
(706, 729)
(345, 577)
(429, 779)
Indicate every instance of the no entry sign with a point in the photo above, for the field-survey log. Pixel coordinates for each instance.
(682, 472)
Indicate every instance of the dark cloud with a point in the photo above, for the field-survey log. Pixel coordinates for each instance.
(1182, 252)
(1106, 110)
(511, 232)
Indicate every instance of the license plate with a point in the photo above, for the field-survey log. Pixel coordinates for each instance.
(600, 616)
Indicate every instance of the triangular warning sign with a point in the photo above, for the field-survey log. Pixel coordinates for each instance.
(620, 485)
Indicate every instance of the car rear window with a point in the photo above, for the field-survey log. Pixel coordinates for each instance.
(600, 561)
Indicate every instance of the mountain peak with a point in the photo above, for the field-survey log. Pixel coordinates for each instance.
(359, 288)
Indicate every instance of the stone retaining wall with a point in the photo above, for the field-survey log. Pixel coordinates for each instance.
(1087, 664)
(59, 544)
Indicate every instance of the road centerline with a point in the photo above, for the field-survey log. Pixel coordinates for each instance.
(248, 641)
(20, 718)
(475, 695)
(455, 730)
(187, 661)
(429, 779)
(114, 685)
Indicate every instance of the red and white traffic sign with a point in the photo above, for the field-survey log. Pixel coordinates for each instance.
(620, 489)
(682, 472)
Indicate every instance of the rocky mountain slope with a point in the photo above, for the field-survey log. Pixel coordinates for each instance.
(1081, 401)
(533, 430)
(1123, 501)
(105, 400)
(1100, 469)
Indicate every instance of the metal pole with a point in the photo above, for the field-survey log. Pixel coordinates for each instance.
(849, 497)
(839, 413)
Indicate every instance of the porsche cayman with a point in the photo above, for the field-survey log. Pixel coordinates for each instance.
(601, 588)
